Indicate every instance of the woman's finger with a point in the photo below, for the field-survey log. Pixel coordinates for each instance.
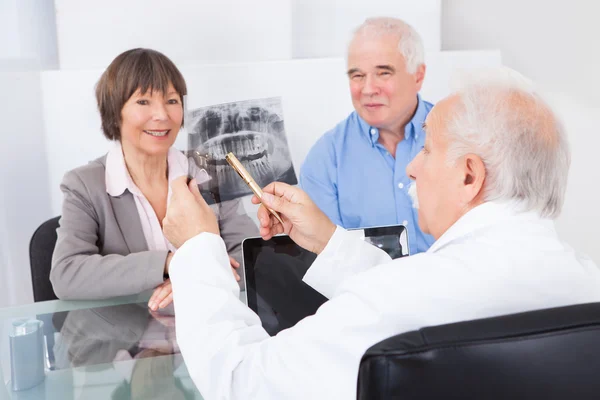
(167, 300)
(154, 295)
(235, 274)
(234, 262)
(159, 295)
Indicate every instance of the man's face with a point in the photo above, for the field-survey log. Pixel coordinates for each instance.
(383, 93)
(439, 183)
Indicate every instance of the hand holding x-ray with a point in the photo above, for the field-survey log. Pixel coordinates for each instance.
(188, 214)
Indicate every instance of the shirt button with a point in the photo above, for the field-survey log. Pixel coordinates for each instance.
(405, 223)
(373, 131)
(401, 185)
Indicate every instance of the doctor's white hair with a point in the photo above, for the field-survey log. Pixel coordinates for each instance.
(410, 44)
(522, 142)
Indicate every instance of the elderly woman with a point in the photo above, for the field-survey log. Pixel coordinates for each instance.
(110, 239)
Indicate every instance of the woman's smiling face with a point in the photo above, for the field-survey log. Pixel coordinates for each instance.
(150, 121)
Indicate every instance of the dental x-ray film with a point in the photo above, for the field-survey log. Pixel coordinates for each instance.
(253, 130)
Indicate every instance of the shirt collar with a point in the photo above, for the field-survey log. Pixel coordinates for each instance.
(417, 121)
(481, 217)
(413, 129)
(117, 176)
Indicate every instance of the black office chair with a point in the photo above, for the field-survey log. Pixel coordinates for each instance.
(545, 354)
(41, 248)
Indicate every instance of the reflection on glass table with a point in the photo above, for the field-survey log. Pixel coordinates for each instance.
(109, 352)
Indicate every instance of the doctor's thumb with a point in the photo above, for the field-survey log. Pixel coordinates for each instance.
(193, 186)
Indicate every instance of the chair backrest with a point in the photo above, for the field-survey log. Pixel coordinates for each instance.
(545, 354)
(41, 248)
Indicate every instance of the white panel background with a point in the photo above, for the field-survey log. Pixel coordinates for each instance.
(314, 92)
(92, 33)
(24, 187)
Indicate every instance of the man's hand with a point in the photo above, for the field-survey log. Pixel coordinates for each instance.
(162, 296)
(188, 214)
(302, 219)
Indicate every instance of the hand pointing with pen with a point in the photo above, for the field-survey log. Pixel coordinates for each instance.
(303, 221)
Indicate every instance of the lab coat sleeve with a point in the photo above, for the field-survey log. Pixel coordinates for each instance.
(345, 255)
(230, 356)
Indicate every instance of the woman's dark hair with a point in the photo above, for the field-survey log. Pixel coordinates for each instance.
(134, 69)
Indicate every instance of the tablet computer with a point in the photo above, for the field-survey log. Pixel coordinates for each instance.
(273, 271)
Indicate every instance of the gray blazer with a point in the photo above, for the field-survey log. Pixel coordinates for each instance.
(101, 249)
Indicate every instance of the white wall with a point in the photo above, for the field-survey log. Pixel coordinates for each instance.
(555, 44)
(28, 31)
(9, 31)
(92, 33)
(322, 28)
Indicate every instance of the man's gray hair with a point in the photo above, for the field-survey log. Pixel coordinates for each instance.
(522, 142)
(410, 44)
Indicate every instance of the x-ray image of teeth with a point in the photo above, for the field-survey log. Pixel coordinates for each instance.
(253, 131)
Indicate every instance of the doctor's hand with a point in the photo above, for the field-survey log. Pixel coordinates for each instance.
(188, 214)
(303, 221)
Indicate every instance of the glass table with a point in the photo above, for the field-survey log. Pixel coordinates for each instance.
(109, 349)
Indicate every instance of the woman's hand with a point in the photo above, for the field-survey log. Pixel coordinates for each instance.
(162, 296)
(234, 266)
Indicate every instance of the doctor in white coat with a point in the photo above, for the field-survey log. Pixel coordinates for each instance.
(489, 182)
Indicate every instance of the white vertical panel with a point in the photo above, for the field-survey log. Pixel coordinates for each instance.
(72, 125)
(37, 32)
(27, 42)
(92, 33)
(322, 28)
(28, 31)
(24, 188)
(9, 34)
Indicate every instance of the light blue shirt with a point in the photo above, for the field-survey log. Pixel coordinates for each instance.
(355, 181)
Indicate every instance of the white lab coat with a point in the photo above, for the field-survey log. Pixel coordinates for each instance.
(492, 261)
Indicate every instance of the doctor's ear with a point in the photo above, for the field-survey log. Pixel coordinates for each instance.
(474, 174)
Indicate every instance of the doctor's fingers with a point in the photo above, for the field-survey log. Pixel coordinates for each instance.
(268, 232)
(293, 194)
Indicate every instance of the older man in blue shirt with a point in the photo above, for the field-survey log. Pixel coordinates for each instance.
(356, 173)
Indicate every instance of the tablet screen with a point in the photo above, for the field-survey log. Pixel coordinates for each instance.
(274, 270)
